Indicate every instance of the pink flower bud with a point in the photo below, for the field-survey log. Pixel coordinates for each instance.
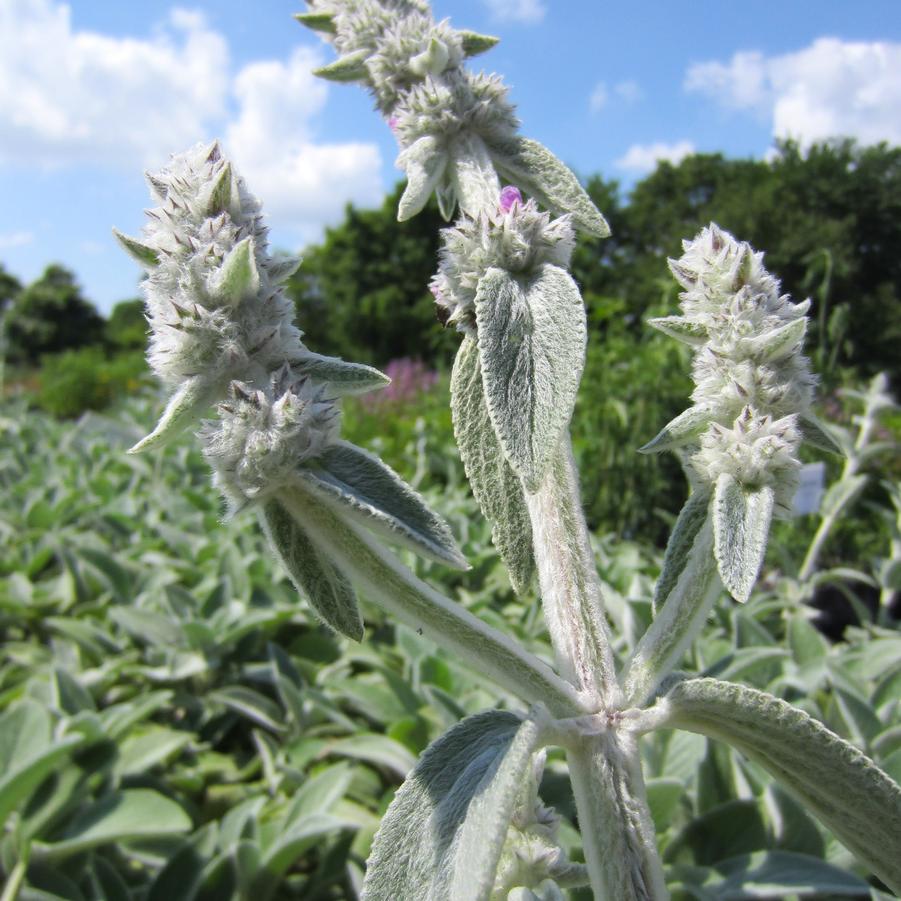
(392, 123)
(509, 196)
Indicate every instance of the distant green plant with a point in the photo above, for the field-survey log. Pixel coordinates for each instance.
(126, 328)
(88, 379)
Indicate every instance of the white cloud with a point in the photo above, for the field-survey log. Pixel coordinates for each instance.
(831, 88)
(302, 183)
(644, 157)
(15, 239)
(72, 96)
(599, 97)
(529, 12)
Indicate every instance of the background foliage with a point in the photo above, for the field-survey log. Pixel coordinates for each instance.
(828, 219)
(173, 722)
(210, 740)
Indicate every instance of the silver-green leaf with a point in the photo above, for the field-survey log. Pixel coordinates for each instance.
(472, 174)
(221, 193)
(475, 43)
(330, 593)
(532, 167)
(532, 349)
(183, 409)
(238, 278)
(340, 377)
(833, 779)
(779, 342)
(142, 253)
(359, 484)
(424, 162)
(351, 67)
(817, 435)
(443, 834)
(685, 428)
(682, 329)
(495, 485)
(741, 527)
(322, 22)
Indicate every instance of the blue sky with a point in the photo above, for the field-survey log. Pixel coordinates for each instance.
(92, 92)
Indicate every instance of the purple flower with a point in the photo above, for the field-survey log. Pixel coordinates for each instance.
(392, 123)
(509, 196)
(409, 380)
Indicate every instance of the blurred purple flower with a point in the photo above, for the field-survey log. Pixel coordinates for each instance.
(409, 379)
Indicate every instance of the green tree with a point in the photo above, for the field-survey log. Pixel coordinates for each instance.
(10, 287)
(363, 293)
(51, 315)
(126, 328)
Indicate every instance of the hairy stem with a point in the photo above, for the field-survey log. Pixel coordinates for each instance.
(387, 582)
(15, 881)
(614, 820)
(570, 588)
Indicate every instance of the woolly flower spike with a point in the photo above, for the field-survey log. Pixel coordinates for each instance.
(388, 46)
(216, 309)
(502, 281)
(262, 436)
(457, 130)
(752, 397)
(747, 339)
(515, 237)
(757, 452)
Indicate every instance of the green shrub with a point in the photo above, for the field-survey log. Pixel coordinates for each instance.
(87, 379)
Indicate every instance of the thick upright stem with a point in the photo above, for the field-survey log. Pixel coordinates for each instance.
(614, 820)
(570, 588)
(387, 582)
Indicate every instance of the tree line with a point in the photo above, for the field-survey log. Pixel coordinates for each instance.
(829, 221)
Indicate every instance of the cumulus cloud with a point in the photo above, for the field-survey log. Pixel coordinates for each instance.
(644, 157)
(831, 88)
(302, 183)
(72, 96)
(529, 12)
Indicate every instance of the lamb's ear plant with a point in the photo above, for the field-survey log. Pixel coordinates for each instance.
(468, 824)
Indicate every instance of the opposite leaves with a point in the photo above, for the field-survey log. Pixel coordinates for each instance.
(531, 338)
(443, 834)
(494, 483)
(832, 778)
